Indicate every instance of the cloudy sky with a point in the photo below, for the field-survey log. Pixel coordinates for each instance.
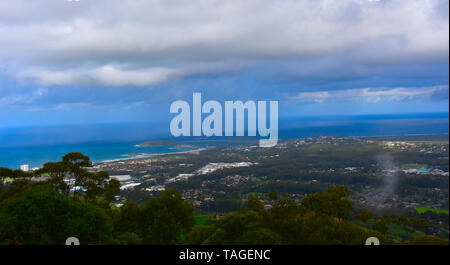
(97, 61)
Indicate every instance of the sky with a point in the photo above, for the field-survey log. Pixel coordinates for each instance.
(104, 61)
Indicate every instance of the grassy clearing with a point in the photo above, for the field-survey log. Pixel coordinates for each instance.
(397, 230)
(422, 210)
(201, 219)
(409, 166)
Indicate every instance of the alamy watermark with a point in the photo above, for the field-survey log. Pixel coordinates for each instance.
(212, 125)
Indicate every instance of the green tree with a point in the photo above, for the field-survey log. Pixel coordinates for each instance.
(333, 202)
(273, 195)
(14, 190)
(6, 173)
(166, 218)
(128, 238)
(426, 240)
(418, 223)
(111, 190)
(160, 221)
(41, 215)
(128, 219)
(364, 216)
(95, 184)
(381, 226)
(74, 165)
(199, 234)
(239, 227)
(57, 171)
(77, 159)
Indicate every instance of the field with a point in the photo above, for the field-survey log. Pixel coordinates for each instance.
(409, 166)
(201, 219)
(439, 211)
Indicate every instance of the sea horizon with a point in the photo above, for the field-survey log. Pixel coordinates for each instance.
(36, 146)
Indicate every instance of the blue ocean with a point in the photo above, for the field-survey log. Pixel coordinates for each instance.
(36, 156)
(35, 146)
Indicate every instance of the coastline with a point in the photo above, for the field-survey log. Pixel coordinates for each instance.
(150, 155)
(143, 156)
(36, 156)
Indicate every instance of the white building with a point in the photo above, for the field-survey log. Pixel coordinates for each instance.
(121, 178)
(156, 188)
(129, 186)
(25, 167)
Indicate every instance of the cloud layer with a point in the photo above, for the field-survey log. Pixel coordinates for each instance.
(137, 43)
(375, 94)
(94, 61)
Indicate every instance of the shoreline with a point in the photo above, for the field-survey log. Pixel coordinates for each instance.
(33, 162)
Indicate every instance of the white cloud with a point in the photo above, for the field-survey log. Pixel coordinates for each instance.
(317, 97)
(104, 75)
(372, 95)
(68, 106)
(22, 98)
(64, 106)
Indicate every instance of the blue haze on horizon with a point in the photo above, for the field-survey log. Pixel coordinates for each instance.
(89, 63)
(35, 146)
